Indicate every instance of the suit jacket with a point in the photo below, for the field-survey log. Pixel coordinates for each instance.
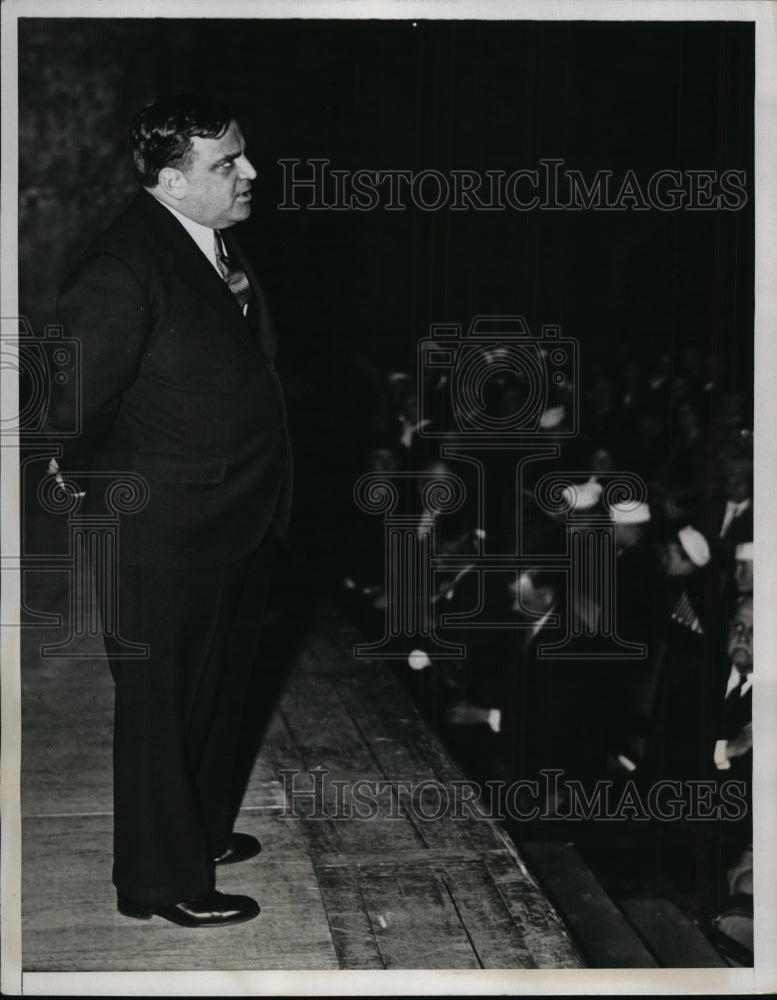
(550, 707)
(737, 711)
(739, 530)
(177, 386)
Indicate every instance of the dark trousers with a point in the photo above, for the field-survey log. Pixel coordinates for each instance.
(178, 718)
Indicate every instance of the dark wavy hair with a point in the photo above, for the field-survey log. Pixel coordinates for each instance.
(161, 134)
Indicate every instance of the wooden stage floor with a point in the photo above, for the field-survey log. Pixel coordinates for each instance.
(392, 892)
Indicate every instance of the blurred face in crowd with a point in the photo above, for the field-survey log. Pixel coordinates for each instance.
(627, 535)
(731, 409)
(689, 422)
(743, 575)
(679, 388)
(740, 636)
(675, 561)
(527, 597)
(603, 394)
(410, 408)
(738, 481)
(382, 460)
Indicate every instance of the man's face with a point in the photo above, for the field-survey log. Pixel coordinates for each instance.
(217, 185)
(740, 637)
(528, 598)
(674, 560)
(743, 575)
(738, 482)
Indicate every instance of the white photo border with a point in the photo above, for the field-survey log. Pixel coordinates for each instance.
(764, 977)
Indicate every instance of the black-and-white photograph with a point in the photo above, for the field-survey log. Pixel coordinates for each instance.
(381, 423)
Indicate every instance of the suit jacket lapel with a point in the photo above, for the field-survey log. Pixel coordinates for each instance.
(196, 270)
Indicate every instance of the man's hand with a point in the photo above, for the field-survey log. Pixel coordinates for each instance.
(740, 876)
(464, 713)
(741, 743)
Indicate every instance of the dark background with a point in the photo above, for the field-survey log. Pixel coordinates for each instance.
(417, 95)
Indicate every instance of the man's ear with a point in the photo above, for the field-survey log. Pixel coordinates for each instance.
(172, 182)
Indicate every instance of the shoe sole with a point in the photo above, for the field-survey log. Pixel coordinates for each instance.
(146, 913)
(236, 859)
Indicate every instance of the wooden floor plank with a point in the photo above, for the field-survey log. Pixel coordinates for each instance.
(409, 754)
(352, 934)
(326, 737)
(496, 939)
(602, 932)
(414, 921)
(70, 919)
(538, 924)
(67, 713)
(671, 935)
(266, 786)
(388, 891)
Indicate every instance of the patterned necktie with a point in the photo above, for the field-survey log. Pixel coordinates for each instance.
(234, 275)
(685, 615)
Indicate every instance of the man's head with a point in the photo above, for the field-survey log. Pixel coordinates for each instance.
(189, 152)
(740, 636)
(631, 522)
(738, 484)
(743, 568)
(685, 553)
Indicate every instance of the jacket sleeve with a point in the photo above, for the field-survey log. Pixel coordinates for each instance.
(106, 311)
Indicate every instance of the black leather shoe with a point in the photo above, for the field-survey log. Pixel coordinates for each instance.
(241, 847)
(212, 909)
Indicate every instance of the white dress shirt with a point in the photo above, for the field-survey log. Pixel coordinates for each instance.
(733, 681)
(202, 235)
(733, 511)
(722, 763)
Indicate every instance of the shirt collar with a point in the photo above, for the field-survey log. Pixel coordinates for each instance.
(202, 235)
(538, 625)
(738, 508)
(733, 680)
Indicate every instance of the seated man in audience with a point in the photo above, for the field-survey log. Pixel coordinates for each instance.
(734, 925)
(734, 746)
(733, 513)
(545, 714)
(743, 568)
(686, 688)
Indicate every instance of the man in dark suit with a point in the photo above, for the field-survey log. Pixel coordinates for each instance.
(179, 388)
(734, 747)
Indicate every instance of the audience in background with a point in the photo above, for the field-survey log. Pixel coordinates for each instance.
(684, 570)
